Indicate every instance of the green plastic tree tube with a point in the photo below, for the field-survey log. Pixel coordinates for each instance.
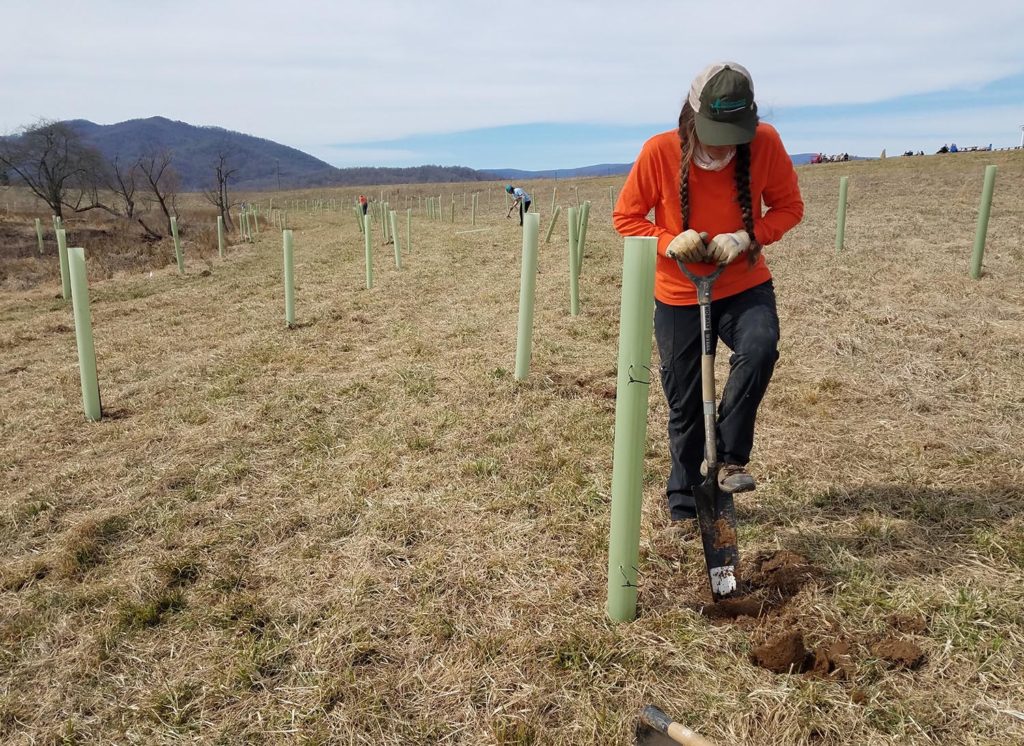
(83, 333)
(62, 253)
(527, 288)
(982, 231)
(473, 221)
(39, 234)
(554, 219)
(256, 220)
(367, 223)
(408, 229)
(581, 235)
(177, 246)
(284, 219)
(289, 280)
(392, 216)
(452, 220)
(636, 321)
(574, 267)
(359, 217)
(611, 198)
(841, 215)
(220, 236)
(554, 192)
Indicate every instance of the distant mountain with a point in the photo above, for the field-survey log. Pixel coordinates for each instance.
(261, 163)
(602, 169)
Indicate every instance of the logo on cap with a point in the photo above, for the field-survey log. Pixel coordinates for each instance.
(724, 106)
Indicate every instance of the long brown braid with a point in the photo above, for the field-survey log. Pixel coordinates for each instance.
(742, 177)
(687, 144)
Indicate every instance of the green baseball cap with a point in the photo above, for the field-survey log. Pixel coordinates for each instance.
(722, 97)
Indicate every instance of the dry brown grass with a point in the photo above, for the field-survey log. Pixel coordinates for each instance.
(362, 530)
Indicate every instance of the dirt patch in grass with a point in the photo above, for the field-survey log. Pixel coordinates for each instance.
(766, 582)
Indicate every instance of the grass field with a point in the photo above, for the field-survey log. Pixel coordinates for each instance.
(362, 530)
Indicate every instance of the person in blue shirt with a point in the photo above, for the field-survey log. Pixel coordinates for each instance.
(519, 197)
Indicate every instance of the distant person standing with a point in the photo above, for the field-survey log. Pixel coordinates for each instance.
(952, 148)
(363, 203)
(519, 197)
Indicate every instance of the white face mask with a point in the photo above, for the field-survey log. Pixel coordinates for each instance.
(704, 160)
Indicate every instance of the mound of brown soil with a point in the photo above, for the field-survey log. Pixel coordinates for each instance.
(784, 572)
(766, 582)
(733, 608)
(784, 653)
(832, 661)
(901, 653)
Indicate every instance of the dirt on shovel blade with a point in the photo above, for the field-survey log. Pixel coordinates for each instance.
(725, 535)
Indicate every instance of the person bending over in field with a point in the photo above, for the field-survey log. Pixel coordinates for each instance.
(519, 197)
(706, 182)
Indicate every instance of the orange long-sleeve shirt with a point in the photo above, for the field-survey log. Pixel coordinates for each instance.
(654, 183)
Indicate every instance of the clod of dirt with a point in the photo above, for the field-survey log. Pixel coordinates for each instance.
(899, 652)
(782, 654)
(832, 661)
(783, 571)
(858, 696)
(725, 535)
(911, 623)
(734, 608)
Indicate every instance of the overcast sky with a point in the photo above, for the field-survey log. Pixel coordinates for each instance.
(550, 84)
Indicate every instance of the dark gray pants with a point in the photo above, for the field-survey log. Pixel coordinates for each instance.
(748, 324)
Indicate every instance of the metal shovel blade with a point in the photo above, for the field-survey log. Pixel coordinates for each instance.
(647, 736)
(658, 729)
(716, 516)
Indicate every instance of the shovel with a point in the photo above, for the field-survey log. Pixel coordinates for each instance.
(716, 513)
(658, 729)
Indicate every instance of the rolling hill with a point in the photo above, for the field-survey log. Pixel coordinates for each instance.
(261, 163)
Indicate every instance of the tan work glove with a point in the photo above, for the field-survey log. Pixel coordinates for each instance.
(687, 247)
(725, 247)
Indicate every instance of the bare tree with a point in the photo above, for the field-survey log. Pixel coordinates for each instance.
(53, 162)
(217, 194)
(122, 180)
(162, 184)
